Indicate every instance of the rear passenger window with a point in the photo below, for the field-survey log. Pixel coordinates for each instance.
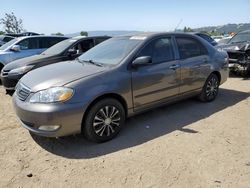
(46, 42)
(160, 50)
(54, 40)
(189, 47)
(27, 44)
(207, 38)
(7, 39)
(85, 45)
(99, 40)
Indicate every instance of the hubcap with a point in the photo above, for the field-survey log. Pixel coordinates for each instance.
(212, 88)
(106, 121)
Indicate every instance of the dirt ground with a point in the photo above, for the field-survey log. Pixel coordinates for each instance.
(187, 144)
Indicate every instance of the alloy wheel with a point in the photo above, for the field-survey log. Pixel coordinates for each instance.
(106, 121)
(212, 88)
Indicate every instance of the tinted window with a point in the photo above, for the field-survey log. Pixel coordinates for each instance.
(7, 39)
(85, 45)
(46, 42)
(99, 40)
(27, 44)
(8, 44)
(189, 47)
(206, 37)
(160, 50)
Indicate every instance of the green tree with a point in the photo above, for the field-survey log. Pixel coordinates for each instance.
(2, 32)
(187, 29)
(84, 33)
(58, 34)
(11, 23)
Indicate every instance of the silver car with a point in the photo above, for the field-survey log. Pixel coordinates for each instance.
(26, 46)
(116, 79)
(4, 39)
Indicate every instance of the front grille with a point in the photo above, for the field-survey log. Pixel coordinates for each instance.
(22, 92)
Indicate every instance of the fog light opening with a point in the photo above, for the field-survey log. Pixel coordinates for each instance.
(49, 127)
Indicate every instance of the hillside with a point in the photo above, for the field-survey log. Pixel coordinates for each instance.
(226, 28)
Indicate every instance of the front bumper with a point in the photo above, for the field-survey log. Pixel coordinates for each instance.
(33, 115)
(9, 82)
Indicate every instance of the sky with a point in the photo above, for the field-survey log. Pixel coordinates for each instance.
(51, 16)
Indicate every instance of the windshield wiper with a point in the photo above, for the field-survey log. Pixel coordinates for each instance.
(92, 62)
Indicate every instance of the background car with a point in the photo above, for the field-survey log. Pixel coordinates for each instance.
(26, 46)
(4, 39)
(217, 38)
(22, 34)
(238, 49)
(207, 38)
(224, 40)
(65, 50)
(118, 78)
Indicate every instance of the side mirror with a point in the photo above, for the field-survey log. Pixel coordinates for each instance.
(142, 61)
(72, 52)
(16, 48)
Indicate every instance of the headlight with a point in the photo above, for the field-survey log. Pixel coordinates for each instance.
(21, 70)
(54, 94)
(236, 48)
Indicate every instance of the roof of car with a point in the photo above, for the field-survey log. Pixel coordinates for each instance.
(88, 37)
(35, 36)
(155, 34)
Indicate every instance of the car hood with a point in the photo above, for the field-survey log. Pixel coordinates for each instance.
(235, 46)
(58, 74)
(32, 60)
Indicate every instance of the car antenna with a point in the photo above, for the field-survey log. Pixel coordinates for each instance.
(179, 23)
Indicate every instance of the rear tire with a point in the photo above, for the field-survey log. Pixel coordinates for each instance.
(104, 120)
(210, 89)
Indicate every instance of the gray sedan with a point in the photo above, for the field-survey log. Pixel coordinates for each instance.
(116, 79)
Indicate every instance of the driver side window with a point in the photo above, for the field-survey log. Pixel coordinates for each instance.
(83, 46)
(28, 44)
(160, 50)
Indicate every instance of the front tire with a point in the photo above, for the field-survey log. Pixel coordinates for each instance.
(210, 89)
(104, 120)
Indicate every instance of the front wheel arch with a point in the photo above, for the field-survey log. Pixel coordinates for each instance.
(88, 129)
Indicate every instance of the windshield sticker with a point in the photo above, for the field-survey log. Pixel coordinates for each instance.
(138, 38)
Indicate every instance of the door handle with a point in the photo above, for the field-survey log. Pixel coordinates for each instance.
(174, 66)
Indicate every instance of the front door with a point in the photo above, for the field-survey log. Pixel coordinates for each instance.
(159, 80)
(28, 48)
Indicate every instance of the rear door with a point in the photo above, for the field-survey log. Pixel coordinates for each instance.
(194, 61)
(157, 81)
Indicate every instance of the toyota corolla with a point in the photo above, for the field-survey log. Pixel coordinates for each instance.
(118, 78)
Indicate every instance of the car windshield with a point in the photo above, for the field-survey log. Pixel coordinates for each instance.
(59, 47)
(8, 44)
(240, 37)
(112, 51)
